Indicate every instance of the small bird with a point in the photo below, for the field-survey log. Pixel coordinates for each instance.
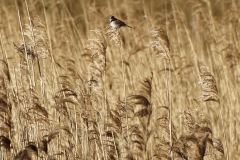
(116, 23)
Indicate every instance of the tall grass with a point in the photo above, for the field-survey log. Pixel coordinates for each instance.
(71, 87)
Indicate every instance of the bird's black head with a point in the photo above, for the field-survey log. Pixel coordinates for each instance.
(113, 18)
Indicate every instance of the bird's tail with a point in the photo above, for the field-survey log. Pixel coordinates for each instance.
(128, 26)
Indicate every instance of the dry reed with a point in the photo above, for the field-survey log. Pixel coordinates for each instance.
(72, 88)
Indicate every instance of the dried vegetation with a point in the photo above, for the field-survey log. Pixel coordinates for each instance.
(71, 87)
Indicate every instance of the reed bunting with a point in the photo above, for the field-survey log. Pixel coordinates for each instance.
(116, 23)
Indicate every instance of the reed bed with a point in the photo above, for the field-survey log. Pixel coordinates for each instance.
(72, 87)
